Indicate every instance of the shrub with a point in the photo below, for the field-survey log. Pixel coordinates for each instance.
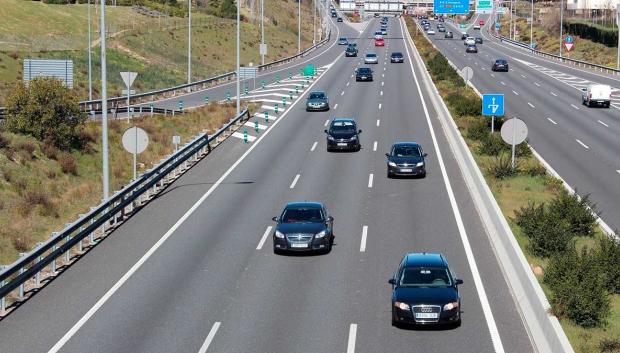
(27, 146)
(21, 242)
(609, 262)
(478, 130)
(493, 145)
(578, 291)
(441, 70)
(228, 9)
(550, 238)
(4, 142)
(532, 167)
(68, 165)
(530, 217)
(609, 345)
(463, 105)
(501, 167)
(49, 150)
(46, 110)
(575, 211)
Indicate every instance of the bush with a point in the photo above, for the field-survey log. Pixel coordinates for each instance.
(478, 130)
(501, 167)
(228, 9)
(578, 291)
(530, 217)
(609, 345)
(609, 261)
(574, 210)
(441, 70)
(532, 167)
(68, 165)
(493, 145)
(597, 34)
(27, 146)
(463, 105)
(550, 238)
(49, 150)
(46, 110)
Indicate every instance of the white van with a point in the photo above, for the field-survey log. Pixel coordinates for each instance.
(596, 95)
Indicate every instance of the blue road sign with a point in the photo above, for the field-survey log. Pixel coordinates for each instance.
(497, 26)
(493, 104)
(451, 6)
(569, 39)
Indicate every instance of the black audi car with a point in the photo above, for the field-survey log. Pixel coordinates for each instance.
(303, 226)
(425, 291)
(478, 40)
(350, 51)
(363, 74)
(448, 35)
(397, 57)
(406, 159)
(471, 49)
(343, 135)
(317, 100)
(500, 65)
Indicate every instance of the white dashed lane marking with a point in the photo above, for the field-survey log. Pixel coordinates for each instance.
(602, 123)
(582, 144)
(531, 105)
(313, 146)
(551, 120)
(378, 122)
(294, 181)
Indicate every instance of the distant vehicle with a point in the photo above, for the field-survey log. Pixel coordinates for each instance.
(478, 40)
(448, 35)
(343, 41)
(464, 35)
(378, 35)
(339, 19)
(371, 58)
(406, 159)
(363, 74)
(441, 29)
(500, 65)
(477, 27)
(379, 42)
(343, 135)
(425, 291)
(384, 32)
(351, 51)
(470, 41)
(317, 100)
(430, 32)
(471, 49)
(397, 57)
(303, 226)
(596, 95)
(334, 14)
(481, 22)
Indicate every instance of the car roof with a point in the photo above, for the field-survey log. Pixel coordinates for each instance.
(496, 60)
(343, 119)
(371, 54)
(403, 143)
(364, 68)
(425, 259)
(303, 204)
(319, 92)
(397, 53)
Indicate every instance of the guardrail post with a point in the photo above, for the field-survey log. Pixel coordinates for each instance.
(21, 270)
(37, 277)
(91, 235)
(80, 244)
(67, 238)
(2, 300)
(53, 266)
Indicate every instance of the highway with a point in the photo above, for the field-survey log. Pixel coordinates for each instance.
(579, 143)
(194, 270)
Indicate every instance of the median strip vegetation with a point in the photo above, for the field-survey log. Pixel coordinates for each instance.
(577, 264)
(50, 159)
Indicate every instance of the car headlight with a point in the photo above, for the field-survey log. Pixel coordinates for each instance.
(330, 138)
(279, 235)
(353, 138)
(402, 306)
(451, 306)
(321, 234)
(420, 164)
(392, 164)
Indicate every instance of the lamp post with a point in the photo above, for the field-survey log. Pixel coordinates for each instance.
(104, 106)
(532, 26)
(189, 42)
(299, 26)
(561, 22)
(238, 53)
(90, 60)
(618, 25)
(262, 29)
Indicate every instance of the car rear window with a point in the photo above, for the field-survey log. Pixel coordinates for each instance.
(425, 277)
(397, 55)
(317, 95)
(343, 126)
(371, 55)
(406, 151)
(302, 215)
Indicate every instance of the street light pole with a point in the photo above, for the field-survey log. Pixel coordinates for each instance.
(104, 106)
(618, 25)
(262, 29)
(299, 27)
(90, 61)
(238, 53)
(313, 22)
(532, 26)
(561, 22)
(189, 42)
(511, 29)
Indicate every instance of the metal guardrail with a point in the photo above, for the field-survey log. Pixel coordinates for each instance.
(32, 268)
(188, 87)
(577, 63)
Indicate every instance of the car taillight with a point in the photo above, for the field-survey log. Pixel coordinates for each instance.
(589, 95)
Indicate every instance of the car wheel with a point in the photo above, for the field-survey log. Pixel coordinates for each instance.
(589, 104)
(423, 175)
(457, 323)
(277, 251)
(395, 323)
(389, 175)
(607, 104)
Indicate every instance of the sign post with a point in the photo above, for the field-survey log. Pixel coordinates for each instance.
(135, 141)
(569, 43)
(514, 131)
(493, 105)
(128, 78)
(467, 74)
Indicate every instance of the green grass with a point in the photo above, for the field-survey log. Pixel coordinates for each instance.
(516, 192)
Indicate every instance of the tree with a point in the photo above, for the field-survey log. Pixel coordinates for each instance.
(47, 110)
(228, 9)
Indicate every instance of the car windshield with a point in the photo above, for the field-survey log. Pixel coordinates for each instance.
(343, 126)
(316, 95)
(343, 39)
(364, 70)
(425, 277)
(406, 151)
(502, 62)
(397, 55)
(371, 55)
(302, 215)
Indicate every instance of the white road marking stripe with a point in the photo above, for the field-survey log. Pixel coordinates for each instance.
(582, 144)
(553, 94)
(381, 93)
(551, 120)
(574, 106)
(374, 146)
(502, 82)
(385, 68)
(263, 238)
(378, 122)
(294, 181)
(313, 146)
(537, 84)
(348, 83)
(515, 92)
(602, 123)
(326, 122)
(351, 76)
(210, 336)
(336, 106)
(492, 75)
(379, 105)
(342, 93)
(253, 125)
(522, 75)
(382, 75)
(240, 135)
(370, 179)
(352, 337)
(531, 105)
(618, 170)
(382, 83)
(363, 241)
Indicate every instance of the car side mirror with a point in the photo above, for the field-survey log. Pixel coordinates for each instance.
(425, 155)
(275, 219)
(584, 89)
(392, 281)
(387, 155)
(359, 131)
(458, 281)
(325, 131)
(330, 219)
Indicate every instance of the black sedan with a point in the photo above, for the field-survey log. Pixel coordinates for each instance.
(464, 36)
(303, 226)
(478, 40)
(339, 19)
(363, 74)
(351, 51)
(448, 35)
(317, 101)
(343, 135)
(425, 291)
(471, 49)
(397, 57)
(500, 65)
(406, 159)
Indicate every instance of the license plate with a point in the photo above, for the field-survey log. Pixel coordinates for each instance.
(299, 245)
(342, 144)
(426, 315)
(406, 170)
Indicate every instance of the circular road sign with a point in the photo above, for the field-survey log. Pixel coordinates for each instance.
(569, 39)
(135, 140)
(514, 131)
(467, 73)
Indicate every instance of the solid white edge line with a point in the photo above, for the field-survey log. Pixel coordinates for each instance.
(363, 240)
(294, 181)
(210, 337)
(73, 330)
(484, 301)
(370, 179)
(582, 144)
(263, 238)
(352, 338)
(374, 146)
(313, 146)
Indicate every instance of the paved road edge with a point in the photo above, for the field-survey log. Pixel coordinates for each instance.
(544, 329)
